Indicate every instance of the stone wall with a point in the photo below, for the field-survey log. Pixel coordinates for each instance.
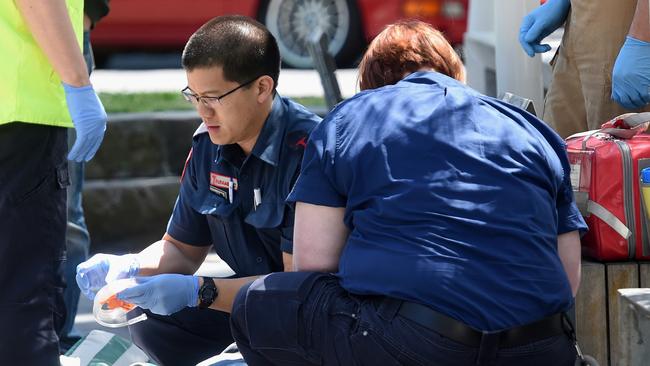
(132, 183)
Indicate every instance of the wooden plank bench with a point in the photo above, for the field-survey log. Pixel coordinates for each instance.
(597, 306)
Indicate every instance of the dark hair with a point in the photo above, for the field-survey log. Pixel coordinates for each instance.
(403, 48)
(242, 46)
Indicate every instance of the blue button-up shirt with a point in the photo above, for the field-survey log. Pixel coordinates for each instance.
(454, 200)
(216, 203)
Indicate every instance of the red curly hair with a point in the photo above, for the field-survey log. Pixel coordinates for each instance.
(403, 48)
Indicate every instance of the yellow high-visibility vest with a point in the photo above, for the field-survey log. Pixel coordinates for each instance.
(30, 89)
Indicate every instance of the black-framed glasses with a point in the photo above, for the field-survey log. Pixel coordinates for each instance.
(211, 102)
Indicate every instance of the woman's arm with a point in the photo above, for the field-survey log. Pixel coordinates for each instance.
(568, 246)
(319, 237)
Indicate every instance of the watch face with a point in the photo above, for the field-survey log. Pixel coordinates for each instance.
(208, 294)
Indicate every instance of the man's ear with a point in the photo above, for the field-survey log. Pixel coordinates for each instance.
(265, 86)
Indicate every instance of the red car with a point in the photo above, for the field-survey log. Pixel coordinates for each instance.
(349, 24)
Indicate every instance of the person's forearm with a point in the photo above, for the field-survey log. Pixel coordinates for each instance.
(640, 27)
(287, 260)
(50, 26)
(165, 257)
(228, 289)
(568, 246)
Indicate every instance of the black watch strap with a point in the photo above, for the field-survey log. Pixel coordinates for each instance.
(207, 293)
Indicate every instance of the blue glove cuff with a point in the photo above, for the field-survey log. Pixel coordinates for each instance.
(76, 89)
(194, 296)
(566, 3)
(629, 40)
(134, 267)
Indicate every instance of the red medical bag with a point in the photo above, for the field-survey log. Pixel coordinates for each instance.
(605, 175)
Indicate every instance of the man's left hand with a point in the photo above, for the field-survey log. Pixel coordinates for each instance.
(631, 75)
(163, 294)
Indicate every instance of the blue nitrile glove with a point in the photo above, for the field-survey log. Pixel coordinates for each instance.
(540, 23)
(631, 75)
(96, 272)
(89, 118)
(163, 294)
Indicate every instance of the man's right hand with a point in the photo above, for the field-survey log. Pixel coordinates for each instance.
(101, 269)
(540, 23)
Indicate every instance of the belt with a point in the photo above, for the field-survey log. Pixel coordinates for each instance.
(462, 333)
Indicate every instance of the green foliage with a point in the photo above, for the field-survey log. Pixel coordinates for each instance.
(166, 101)
(143, 102)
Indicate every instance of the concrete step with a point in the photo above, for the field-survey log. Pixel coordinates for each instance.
(125, 215)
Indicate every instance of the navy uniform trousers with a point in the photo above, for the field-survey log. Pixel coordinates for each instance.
(33, 180)
(304, 318)
(200, 333)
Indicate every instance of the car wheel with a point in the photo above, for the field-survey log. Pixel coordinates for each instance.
(293, 21)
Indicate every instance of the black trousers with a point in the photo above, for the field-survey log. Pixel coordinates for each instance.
(303, 318)
(183, 338)
(33, 180)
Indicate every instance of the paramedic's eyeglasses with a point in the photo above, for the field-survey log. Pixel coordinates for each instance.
(210, 102)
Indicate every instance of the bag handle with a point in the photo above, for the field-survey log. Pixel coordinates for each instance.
(631, 120)
(624, 126)
(628, 121)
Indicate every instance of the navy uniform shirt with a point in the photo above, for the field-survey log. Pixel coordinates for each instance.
(454, 200)
(250, 239)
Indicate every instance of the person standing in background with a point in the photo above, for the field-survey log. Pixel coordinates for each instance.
(602, 68)
(77, 240)
(45, 89)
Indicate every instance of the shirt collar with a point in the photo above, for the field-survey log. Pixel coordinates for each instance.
(431, 77)
(269, 142)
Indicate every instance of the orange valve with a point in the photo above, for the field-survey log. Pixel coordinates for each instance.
(113, 303)
(110, 311)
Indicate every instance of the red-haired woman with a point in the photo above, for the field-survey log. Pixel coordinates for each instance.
(434, 226)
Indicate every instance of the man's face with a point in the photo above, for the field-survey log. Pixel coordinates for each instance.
(232, 119)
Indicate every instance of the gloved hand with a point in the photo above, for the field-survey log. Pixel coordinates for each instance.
(89, 119)
(631, 75)
(163, 294)
(96, 272)
(540, 23)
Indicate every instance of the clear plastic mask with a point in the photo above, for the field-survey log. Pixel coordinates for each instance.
(110, 311)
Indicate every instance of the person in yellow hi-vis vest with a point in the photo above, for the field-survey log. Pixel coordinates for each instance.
(44, 89)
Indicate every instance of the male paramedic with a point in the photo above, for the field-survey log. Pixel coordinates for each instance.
(44, 90)
(437, 227)
(602, 68)
(244, 161)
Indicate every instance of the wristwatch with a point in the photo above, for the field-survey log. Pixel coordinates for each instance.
(207, 293)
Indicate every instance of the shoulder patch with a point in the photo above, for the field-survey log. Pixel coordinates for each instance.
(297, 140)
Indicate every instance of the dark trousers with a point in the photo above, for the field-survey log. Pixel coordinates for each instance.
(183, 338)
(304, 318)
(33, 178)
(77, 242)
